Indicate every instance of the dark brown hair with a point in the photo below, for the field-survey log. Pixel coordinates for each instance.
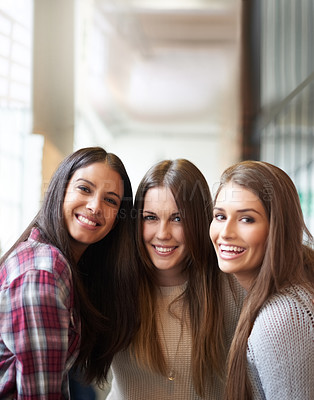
(288, 259)
(105, 279)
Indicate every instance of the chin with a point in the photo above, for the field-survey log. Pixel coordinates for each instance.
(225, 269)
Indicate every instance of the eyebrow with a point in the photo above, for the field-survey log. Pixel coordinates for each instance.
(93, 185)
(241, 210)
(152, 212)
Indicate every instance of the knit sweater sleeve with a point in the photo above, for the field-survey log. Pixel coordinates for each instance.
(281, 348)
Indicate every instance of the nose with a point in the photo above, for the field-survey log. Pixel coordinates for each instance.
(163, 232)
(94, 205)
(228, 231)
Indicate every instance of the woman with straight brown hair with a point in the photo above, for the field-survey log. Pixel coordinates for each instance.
(260, 237)
(187, 310)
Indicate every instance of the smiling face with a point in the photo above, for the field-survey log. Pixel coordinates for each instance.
(239, 232)
(91, 204)
(163, 235)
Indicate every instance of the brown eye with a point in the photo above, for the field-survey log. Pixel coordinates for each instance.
(248, 220)
(84, 189)
(111, 201)
(219, 217)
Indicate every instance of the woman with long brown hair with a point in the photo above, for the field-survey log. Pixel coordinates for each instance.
(68, 286)
(260, 237)
(187, 310)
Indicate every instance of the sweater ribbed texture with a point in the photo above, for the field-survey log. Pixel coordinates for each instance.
(281, 348)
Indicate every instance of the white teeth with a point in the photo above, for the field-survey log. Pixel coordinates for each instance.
(164, 249)
(232, 249)
(86, 221)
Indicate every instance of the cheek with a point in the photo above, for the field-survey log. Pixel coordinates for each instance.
(258, 257)
(66, 209)
(148, 232)
(212, 231)
(110, 213)
(145, 233)
(69, 202)
(260, 244)
(259, 237)
(181, 236)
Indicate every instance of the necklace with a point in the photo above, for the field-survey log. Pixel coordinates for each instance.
(171, 375)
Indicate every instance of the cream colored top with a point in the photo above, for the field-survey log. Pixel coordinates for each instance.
(134, 382)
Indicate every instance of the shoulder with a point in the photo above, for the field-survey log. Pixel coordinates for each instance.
(286, 317)
(280, 351)
(34, 257)
(292, 304)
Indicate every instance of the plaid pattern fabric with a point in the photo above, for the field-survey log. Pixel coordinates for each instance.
(39, 336)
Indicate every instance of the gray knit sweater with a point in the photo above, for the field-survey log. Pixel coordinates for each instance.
(281, 348)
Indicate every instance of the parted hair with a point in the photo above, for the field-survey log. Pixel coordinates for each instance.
(203, 298)
(105, 277)
(288, 258)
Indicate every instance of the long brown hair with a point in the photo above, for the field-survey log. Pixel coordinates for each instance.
(203, 297)
(105, 278)
(288, 259)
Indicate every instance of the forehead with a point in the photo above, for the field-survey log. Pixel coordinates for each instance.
(160, 198)
(236, 194)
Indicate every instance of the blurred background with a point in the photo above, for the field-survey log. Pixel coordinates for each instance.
(213, 81)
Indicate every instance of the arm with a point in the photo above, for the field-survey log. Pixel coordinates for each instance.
(37, 334)
(281, 351)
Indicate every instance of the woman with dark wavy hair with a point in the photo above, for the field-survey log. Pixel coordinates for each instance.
(68, 285)
(260, 237)
(187, 310)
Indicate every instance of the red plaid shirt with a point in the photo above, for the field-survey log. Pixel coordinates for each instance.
(39, 336)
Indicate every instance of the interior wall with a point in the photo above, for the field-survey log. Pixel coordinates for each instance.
(147, 99)
(53, 80)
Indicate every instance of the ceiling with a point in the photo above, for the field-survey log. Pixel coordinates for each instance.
(167, 62)
(153, 23)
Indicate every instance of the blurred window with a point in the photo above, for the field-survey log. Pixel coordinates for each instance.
(20, 151)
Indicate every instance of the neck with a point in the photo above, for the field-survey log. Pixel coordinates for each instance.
(78, 251)
(245, 282)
